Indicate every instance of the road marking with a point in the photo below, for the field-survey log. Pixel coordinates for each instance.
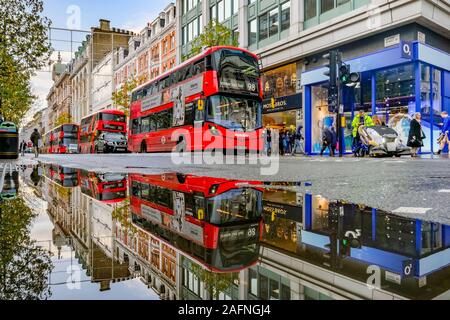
(414, 210)
(444, 191)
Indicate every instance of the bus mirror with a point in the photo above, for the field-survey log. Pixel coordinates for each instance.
(200, 105)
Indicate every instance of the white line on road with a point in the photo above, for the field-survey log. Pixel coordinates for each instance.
(444, 191)
(413, 210)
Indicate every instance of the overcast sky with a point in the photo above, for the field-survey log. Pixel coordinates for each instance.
(82, 15)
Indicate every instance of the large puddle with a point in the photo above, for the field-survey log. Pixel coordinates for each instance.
(72, 234)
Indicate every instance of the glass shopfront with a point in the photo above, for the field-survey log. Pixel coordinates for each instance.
(393, 93)
(285, 111)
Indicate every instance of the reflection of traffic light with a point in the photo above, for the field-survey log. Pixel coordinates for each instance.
(348, 243)
(332, 73)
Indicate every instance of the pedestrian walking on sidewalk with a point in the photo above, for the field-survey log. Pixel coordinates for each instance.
(416, 135)
(268, 142)
(328, 141)
(445, 132)
(298, 142)
(35, 139)
(23, 148)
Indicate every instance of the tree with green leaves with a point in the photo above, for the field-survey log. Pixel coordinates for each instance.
(24, 267)
(64, 118)
(24, 48)
(214, 34)
(15, 90)
(215, 283)
(122, 97)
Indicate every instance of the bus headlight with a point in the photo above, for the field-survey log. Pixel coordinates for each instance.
(214, 131)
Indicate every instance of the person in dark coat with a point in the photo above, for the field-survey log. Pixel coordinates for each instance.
(35, 137)
(416, 135)
(328, 141)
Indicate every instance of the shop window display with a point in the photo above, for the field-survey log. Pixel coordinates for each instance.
(425, 108)
(321, 117)
(395, 98)
(437, 107)
(281, 81)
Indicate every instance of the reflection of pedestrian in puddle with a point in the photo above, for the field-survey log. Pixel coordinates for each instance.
(35, 176)
(400, 123)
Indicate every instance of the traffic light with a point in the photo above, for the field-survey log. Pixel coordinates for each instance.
(346, 77)
(332, 74)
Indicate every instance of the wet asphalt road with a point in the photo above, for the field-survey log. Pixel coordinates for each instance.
(410, 187)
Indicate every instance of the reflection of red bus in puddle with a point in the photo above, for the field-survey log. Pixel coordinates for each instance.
(105, 187)
(216, 222)
(63, 176)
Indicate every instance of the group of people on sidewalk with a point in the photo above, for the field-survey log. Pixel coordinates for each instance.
(416, 134)
(290, 142)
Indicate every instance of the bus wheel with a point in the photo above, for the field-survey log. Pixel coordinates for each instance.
(143, 147)
(181, 145)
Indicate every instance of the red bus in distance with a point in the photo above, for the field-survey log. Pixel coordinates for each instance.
(218, 221)
(112, 122)
(210, 102)
(64, 139)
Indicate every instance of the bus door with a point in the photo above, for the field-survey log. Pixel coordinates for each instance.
(198, 116)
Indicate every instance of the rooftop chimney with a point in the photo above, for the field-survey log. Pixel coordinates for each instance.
(105, 25)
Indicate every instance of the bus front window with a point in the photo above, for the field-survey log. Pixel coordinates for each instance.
(112, 117)
(240, 205)
(236, 114)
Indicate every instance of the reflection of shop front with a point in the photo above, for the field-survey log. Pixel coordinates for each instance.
(283, 108)
(282, 225)
(394, 85)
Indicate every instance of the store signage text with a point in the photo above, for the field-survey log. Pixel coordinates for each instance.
(283, 103)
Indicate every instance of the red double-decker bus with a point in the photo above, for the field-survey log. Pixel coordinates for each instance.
(105, 187)
(210, 102)
(62, 140)
(110, 126)
(216, 221)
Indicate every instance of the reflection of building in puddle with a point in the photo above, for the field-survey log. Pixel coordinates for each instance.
(83, 224)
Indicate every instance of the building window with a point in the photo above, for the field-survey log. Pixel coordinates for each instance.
(285, 15)
(252, 32)
(235, 6)
(310, 9)
(395, 91)
(263, 27)
(326, 5)
(273, 22)
(221, 11)
(227, 4)
(213, 12)
(340, 2)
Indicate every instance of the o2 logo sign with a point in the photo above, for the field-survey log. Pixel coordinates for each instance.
(406, 49)
(408, 269)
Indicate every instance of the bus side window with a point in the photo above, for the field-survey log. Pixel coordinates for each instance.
(189, 114)
(153, 126)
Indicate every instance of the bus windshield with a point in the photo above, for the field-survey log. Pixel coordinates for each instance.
(237, 62)
(235, 113)
(70, 129)
(240, 205)
(111, 117)
(69, 141)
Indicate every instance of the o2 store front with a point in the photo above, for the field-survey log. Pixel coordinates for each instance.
(395, 83)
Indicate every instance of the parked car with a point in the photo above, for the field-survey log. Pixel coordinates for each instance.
(111, 142)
